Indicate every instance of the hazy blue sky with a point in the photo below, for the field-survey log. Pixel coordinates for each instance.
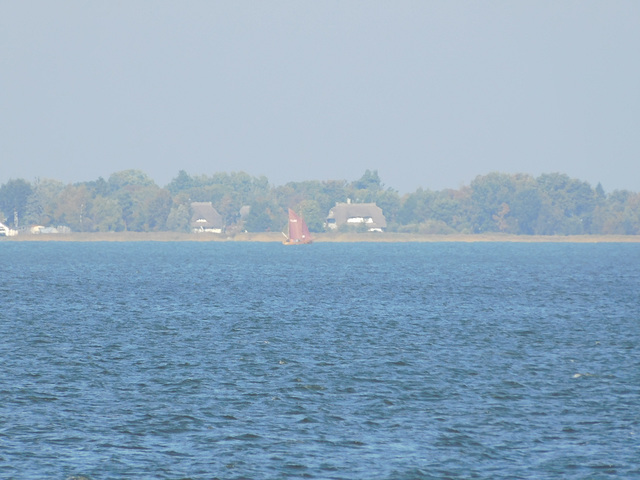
(429, 93)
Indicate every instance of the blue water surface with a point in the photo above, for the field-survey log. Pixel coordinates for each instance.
(330, 361)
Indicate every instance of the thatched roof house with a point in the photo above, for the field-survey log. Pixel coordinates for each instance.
(205, 218)
(355, 214)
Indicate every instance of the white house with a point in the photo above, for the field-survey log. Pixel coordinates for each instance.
(205, 218)
(6, 231)
(367, 214)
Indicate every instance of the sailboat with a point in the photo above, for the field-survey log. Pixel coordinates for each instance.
(298, 232)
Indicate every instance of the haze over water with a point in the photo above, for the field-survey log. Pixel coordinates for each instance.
(343, 361)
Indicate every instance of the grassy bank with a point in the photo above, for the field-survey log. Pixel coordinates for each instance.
(319, 238)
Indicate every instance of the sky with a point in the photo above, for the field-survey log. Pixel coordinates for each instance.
(430, 94)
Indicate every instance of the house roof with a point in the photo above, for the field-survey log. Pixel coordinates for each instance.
(204, 215)
(344, 211)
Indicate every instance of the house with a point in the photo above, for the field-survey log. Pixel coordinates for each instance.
(6, 231)
(205, 218)
(368, 215)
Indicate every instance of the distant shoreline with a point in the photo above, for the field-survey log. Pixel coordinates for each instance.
(319, 238)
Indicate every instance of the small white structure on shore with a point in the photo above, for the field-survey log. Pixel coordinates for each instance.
(6, 231)
(42, 230)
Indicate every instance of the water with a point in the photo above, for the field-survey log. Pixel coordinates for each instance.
(333, 361)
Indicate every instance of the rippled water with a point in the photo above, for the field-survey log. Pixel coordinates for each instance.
(345, 361)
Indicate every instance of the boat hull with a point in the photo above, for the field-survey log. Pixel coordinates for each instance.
(301, 242)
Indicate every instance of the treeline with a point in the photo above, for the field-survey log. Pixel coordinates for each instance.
(551, 204)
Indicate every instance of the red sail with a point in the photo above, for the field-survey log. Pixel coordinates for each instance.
(298, 230)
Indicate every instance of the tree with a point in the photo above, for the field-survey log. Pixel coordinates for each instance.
(143, 207)
(71, 207)
(182, 183)
(14, 196)
(264, 217)
(42, 203)
(489, 194)
(313, 215)
(106, 215)
(414, 207)
(567, 204)
(158, 206)
(98, 187)
(525, 210)
(124, 178)
(179, 217)
(370, 180)
(620, 215)
(389, 201)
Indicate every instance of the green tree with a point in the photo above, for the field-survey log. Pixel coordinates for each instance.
(14, 196)
(98, 187)
(525, 210)
(179, 216)
(567, 205)
(264, 216)
(158, 207)
(313, 215)
(124, 178)
(370, 180)
(415, 207)
(106, 215)
(489, 195)
(619, 215)
(42, 203)
(182, 183)
(71, 207)
(505, 203)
